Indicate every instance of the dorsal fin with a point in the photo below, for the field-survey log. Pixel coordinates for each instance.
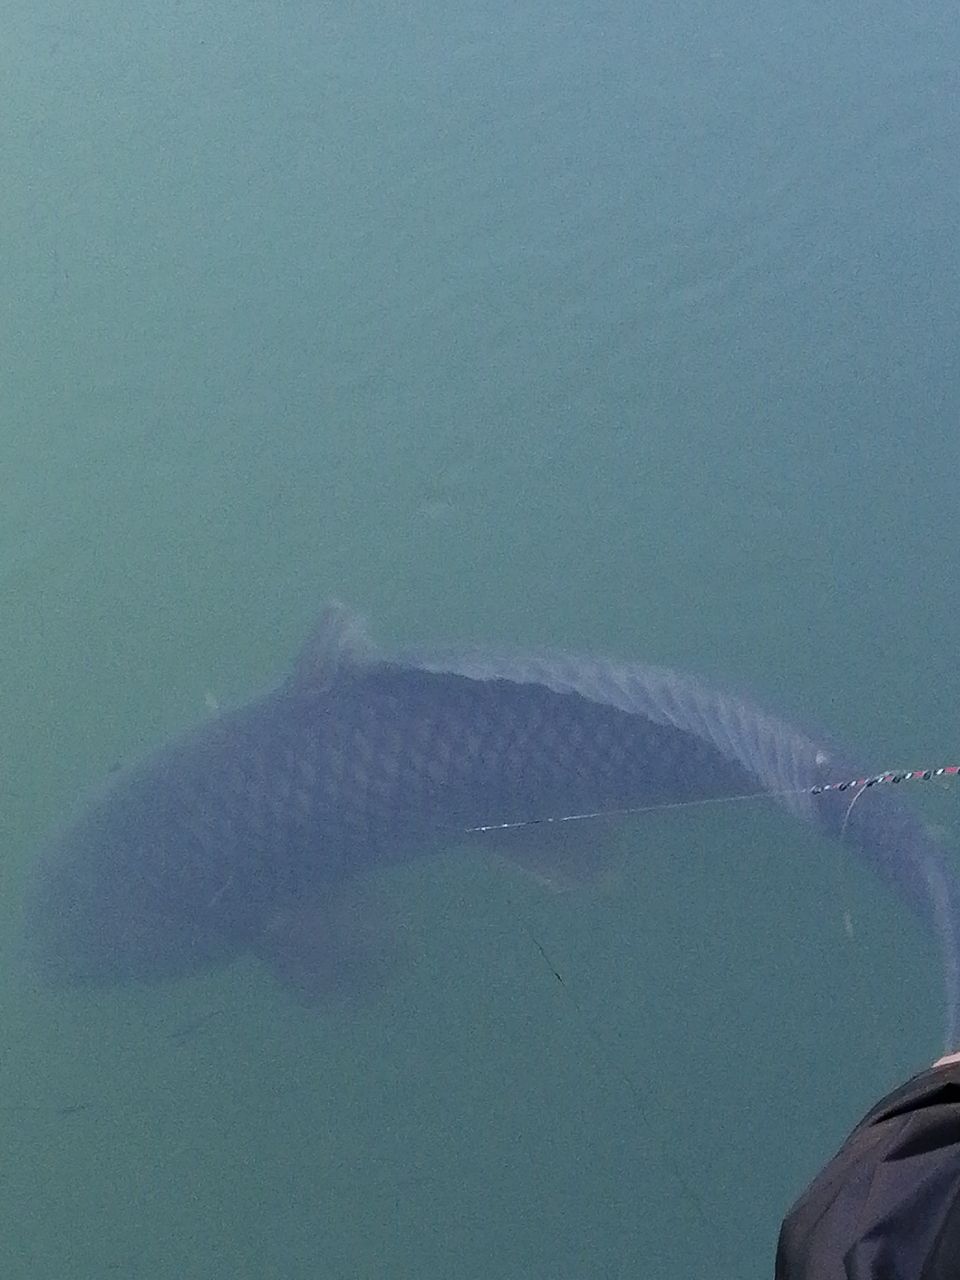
(338, 640)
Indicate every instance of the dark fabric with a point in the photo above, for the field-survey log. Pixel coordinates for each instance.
(887, 1206)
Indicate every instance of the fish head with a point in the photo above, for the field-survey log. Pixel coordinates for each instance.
(132, 891)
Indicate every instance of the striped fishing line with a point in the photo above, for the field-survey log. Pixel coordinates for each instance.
(655, 1124)
(858, 785)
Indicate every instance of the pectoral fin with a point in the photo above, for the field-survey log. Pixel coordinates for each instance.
(339, 949)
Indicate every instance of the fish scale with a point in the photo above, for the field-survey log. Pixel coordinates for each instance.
(241, 834)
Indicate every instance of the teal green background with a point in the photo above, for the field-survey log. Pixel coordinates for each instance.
(629, 329)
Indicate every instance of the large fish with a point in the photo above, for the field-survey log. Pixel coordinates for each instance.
(248, 833)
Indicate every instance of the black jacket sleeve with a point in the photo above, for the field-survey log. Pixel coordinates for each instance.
(887, 1206)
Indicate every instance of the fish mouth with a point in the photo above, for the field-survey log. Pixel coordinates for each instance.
(59, 955)
(75, 934)
(60, 944)
(49, 965)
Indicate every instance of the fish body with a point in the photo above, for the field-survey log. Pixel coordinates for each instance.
(242, 834)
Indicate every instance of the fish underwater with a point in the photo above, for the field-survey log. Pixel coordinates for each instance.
(249, 833)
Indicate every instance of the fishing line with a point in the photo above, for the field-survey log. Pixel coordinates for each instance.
(889, 776)
(654, 1131)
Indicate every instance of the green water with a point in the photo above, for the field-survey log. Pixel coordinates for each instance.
(620, 328)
